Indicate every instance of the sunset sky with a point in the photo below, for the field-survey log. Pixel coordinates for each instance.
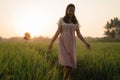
(40, 17)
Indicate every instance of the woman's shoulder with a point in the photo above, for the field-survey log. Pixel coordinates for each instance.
(61, 19)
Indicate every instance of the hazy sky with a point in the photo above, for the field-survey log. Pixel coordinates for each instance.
(40, 17)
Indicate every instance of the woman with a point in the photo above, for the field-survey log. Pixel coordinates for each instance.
(67, 26)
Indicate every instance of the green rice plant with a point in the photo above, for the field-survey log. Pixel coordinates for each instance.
(32, 61)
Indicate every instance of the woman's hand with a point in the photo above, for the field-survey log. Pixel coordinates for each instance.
(88, 46)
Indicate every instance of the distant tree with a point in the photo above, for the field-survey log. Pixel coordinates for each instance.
(0, 38)
(113, 28)
(27, 36)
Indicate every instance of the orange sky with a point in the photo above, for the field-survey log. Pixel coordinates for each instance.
(39, 17)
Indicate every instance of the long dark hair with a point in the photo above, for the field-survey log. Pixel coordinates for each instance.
(66, 17)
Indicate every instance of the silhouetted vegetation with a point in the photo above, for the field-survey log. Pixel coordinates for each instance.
(27, 36)
(21, 39)
(113, 28)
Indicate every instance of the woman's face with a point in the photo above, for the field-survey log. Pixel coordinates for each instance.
(71, 11)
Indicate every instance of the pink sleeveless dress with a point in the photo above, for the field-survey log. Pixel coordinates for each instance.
(67, 44)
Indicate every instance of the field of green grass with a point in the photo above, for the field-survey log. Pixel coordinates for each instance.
(31, 61)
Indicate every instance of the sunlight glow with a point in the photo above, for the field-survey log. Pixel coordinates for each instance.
(39, 17)
(31, 21)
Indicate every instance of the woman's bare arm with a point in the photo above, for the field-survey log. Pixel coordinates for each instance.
(82, 39)
(55, 37)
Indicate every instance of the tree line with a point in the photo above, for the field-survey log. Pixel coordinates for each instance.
(112, 28)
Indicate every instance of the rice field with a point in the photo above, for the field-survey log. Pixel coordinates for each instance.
(32, 61)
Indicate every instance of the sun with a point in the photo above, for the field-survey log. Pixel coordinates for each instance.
(30, 21)
(27, 24)
(38, 21)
